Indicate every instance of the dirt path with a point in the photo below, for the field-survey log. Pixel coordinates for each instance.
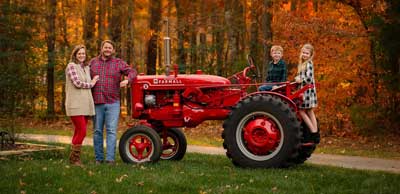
(354, 162)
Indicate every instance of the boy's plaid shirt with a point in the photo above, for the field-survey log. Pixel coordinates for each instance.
(277, 72)
(106, 90)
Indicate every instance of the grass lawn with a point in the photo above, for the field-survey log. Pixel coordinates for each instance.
(48, 172)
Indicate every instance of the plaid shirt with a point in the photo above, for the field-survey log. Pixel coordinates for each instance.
(277, 72)
(107, 89)
(73, 75)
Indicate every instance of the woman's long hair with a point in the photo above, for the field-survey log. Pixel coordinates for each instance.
(303, 64)
(73, 58)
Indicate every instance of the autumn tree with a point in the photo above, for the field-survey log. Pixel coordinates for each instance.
(381, 20)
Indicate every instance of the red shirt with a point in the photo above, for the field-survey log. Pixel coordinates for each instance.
(106, 90)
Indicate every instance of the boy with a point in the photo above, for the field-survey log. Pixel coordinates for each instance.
(277, 71)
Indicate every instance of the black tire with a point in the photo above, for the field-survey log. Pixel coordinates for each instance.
(279, 115)
(306, 151)
(140, 136)
(176, 145)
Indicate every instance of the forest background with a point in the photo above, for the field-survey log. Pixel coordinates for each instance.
(357, 42)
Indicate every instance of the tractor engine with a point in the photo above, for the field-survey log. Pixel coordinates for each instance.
(182, 100)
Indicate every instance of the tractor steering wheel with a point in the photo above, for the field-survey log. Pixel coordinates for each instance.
(255, 71)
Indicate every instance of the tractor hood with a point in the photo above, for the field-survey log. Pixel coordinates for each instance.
(182, 80)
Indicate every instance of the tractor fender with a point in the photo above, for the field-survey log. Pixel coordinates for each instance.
(283, 97)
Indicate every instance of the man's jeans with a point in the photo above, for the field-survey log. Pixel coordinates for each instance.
(107, 114)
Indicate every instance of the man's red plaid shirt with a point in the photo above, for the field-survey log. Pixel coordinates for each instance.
(106, 90)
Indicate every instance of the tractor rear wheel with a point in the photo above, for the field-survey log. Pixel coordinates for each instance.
(262, 131)
(140, 144)
(306, 150)
(173, 144)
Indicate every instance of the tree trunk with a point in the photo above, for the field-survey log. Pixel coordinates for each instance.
(202, 50)
(101, 22)
(64, 50)
(193, 47)
(155, 18)
(230, 14)
(89, 26)
(254, 46)
(181, 28)
(218, 40)
(116, 23)
(51, 57)
(130, 48)
(267, 33)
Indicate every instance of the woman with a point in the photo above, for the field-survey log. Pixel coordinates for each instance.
(79, 103)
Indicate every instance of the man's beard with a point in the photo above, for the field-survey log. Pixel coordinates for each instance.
(106, 56)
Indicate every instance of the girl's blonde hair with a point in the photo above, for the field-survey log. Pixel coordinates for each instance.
(73, 58)
(303, 64)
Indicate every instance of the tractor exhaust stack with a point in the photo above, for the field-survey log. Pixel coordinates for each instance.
(167, 49)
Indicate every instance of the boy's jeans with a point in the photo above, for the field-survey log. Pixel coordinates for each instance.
(107, 114)
(265, 87)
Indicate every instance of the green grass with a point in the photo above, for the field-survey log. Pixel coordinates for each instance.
(48, 172)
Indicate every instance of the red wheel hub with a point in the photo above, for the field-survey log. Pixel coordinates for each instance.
(140, 147)
(167, 145)
(261, 135)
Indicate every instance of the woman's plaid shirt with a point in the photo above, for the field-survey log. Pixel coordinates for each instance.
(106, 90)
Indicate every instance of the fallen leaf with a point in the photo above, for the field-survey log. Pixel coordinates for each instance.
(118, 180)
(141, 183)
(21, 183)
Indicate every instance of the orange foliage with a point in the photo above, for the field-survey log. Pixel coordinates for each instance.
(342, 62)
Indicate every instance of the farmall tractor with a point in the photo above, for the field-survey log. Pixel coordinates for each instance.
(261, 129)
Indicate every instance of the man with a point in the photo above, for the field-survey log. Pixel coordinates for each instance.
(106, 96)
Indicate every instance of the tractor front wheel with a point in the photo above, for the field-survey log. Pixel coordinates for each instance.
(140, 144)
(173, 144)
(262, 131)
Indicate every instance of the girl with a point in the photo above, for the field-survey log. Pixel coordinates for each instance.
(305, 75)
(79, 103)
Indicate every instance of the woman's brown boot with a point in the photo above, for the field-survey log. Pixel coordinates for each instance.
(75, 156)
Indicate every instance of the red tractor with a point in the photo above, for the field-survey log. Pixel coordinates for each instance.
(261, 129)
